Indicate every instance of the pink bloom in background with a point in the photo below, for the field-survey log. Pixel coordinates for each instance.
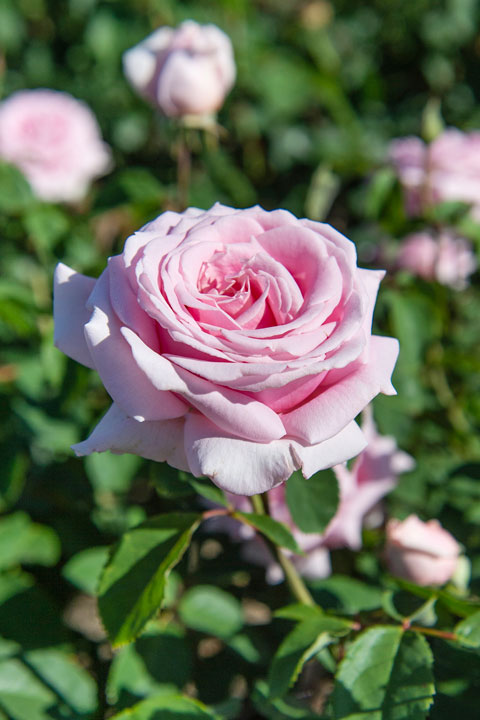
(372, 476)
(424, 553)
(55, 141)
(446, 258)
(235, 344)
(446, 169)
(184, 71)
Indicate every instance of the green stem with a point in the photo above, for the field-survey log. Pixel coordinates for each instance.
(183, 170)
(297, 587)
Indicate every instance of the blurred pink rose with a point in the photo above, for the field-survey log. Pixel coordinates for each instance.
(235, 344)
(448, 259)
(183, 71)
(424, 553)
(55, 141)
(372, 476)
(446, 169)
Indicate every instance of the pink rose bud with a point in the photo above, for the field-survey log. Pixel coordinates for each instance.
(447, 259)
(424, 553)
(446, 170)
(235, 344)
(55, 141)
(184, 71)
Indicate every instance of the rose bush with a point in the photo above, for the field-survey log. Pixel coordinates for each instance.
(447, 258)
(235, 344)
(55, 141)
(183, 71)
(446, 169)
(372, 476)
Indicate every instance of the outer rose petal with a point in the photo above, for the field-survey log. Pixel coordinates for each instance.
(161, 440)
(70, 293)
(123, 379)
(238, 466)
(331, 410)
(346, 444)
(246, 468)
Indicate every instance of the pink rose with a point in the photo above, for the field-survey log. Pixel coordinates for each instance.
(424, 553)
(372, 476)
(55, 141)
(186, 71)
(447, 169)
(235, 344)
(448, 259)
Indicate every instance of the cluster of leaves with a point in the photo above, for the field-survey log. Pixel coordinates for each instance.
(321, 88)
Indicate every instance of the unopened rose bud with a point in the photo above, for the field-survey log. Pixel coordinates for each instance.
(424, 553)
(183, 71)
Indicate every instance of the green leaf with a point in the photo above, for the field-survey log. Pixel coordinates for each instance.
(158, 662)
(455, 604)
(211, 610)
(111, 473)
(279, 708)
(275, 531)
(208, 490)
(132, 585)
(22, 695)
(313, 502)
(70, 681)
(301, 644)
(468, 631)
(22, 541)
(173, 707)
(385, 675)
(298, 612)
(141, 186)
(46, 224)
(85, 568)
(379, 191)
(15, 192)
(345, 594)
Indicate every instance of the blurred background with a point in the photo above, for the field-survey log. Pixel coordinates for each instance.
(322, 89)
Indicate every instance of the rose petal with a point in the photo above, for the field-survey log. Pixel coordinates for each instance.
(125, 382)
(337, 404)
(236, 465)
(233, 411)
(70, 295)
(161, 440)
(341, 447)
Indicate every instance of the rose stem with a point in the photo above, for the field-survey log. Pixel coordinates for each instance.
(297, 586)
(184, 166)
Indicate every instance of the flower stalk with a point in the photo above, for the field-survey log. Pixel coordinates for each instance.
(297, 587)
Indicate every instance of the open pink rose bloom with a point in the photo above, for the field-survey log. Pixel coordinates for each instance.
(55, 141)
(235, 344)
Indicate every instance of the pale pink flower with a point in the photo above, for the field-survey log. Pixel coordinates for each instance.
(448, 169)
(184, 71)
(422, 552)
(446, 258)
(373, 475)
(55, 141)
(235, 344)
